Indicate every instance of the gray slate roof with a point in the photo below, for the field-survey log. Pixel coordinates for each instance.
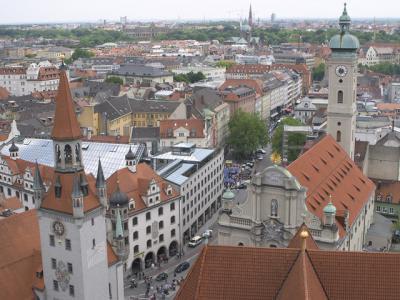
(140, 70)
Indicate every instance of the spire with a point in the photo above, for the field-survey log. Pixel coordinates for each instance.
(100, 181)
(250, 17)
(119, 233)
(76, 189)
(344, 20)
(66, 126)
(37, 179)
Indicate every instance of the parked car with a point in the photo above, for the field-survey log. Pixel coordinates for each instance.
(182, 267)
(242, 186)
(262, 151)
(162, 276)
(250, 164)
(196, 240)
(260, 157)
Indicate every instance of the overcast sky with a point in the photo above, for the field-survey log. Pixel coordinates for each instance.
(26, 11)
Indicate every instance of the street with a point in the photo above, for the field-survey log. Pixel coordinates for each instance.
(190, 255)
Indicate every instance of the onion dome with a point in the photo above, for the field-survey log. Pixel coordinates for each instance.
(130, 155)
(118, 198)
(330, 208)
(344, 40)
(228, 194)
(13, 147)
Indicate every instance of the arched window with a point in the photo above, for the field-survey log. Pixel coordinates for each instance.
(338, 136)
(68, 154)
(240, 244)
(274, 208)
(77, 153)
(340, 97)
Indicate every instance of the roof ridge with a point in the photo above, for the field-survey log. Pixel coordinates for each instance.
(201, 270)
(287, 274)
(315, 271)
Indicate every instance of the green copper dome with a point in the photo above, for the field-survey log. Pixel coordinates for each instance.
(344, 40)
(228, 194)
(330, 209)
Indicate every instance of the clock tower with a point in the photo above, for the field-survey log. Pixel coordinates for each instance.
(71, 214)
(342, 73)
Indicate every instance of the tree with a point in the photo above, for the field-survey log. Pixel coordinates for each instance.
(190, 77)
(115, 79)
(81, 53)
(386, 68)
(225, 64)
(318, 72)
(295, 140)
(247, 133)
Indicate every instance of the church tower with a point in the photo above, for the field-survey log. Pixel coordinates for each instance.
(250, 17)
(71, 215)
(342, 72)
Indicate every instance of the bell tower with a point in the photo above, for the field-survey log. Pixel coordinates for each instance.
(342, 72)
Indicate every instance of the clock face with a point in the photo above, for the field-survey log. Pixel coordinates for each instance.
(58, 228)
(341, 71)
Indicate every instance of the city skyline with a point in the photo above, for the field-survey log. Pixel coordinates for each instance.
(90, 11)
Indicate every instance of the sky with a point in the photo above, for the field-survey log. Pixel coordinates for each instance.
(43, 11)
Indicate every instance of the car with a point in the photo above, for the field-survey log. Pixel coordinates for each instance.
(162, 276)
(260, 157)
(196, 240)
(207, 233)
(250, 164)
(182, 267)
(262, 151)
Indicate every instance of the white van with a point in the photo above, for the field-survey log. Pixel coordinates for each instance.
(196, 240)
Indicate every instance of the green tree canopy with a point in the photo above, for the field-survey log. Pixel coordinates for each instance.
(295, 140)
(225, 64)
(190, 77)
(318, 72)
(115, 79)
(81, 53)
(386, 68)
(247, 133)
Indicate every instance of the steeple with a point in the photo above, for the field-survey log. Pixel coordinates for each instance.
(38, 187)
(250, 17)
(13, 150)
(101, 187)
(66, 126)
(130, 160)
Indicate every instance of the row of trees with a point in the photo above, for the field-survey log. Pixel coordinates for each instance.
(386, 68)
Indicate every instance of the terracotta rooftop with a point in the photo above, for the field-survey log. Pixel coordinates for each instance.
(194, 126)
(63, 203)
(135, 185)
(12, 203)
(234, 272)
(249, 69)
(326, 170)
(4, 94)
(66, 126)
(388, 191)
(255, 84)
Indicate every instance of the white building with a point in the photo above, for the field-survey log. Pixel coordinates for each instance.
(304, 110)
(21, 81)
(211, 74)
(198, 175)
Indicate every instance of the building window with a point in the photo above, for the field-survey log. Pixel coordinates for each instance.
(67, 244)
(340, 97)
(172, 233)
(161, 238)
(70, 270)
(338, 136)
(391, 210)
(93, 243)
(148, 229)
(379, 197)
(25, 197)
(274, 208)
(71, 290)
(172, 206)
(55, 285)
(52, 242)
(148, 216)
(136, 249)
(92, 221)
(160, 211)
(148, 243)
(173, 220)
(134, 221)
(378, 208)
(389, 198)
(135, 235)
(53, 263)
(161, 225)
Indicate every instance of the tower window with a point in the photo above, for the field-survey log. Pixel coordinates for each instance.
(340, 97)
(52, 241)
(338, 136)
(67, 244)
(70, 269)
(55, 285)
(53, 263)
(93, 243)
(68, 154)
(274, 208)
(71, 290)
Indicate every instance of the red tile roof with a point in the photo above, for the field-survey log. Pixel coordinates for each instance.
(190, 124)
(4, 94)
(66, 126)
(326, 170)
(388, 189)
(249, 69)
(255, 84)
(227, 272)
